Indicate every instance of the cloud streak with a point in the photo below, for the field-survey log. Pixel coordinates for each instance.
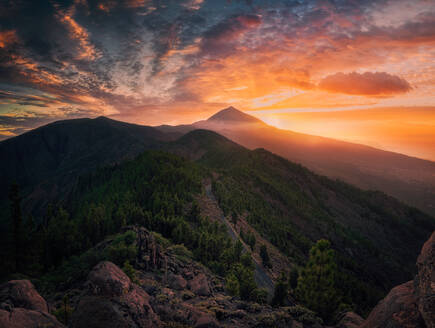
(366, 84)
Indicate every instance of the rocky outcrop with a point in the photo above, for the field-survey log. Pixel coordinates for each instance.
(199, 285)
(397, 309)
(350, 320)
(411, 304)
(425, 282)
(177, 282)
(112, 300)
(22, 306)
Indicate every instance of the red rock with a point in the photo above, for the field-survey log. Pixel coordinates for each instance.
(177, 282)
(107, 279)
(22, 306)
(206, 321)
(113, 301)
(425, 282)
(398, 309)
(199, 285)
(350, 320)
(22, 294)
(24, 318)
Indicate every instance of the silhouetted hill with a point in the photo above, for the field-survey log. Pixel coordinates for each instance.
(51, 156)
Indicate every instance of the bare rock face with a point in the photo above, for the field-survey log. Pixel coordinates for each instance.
(22, 306)
(397, 309)
(22, 294)
(112, 300)
(411, 304)
(425, 282)
(109, 280)
(177, 282)
(199, 285)
(206, 321)
(350, 320)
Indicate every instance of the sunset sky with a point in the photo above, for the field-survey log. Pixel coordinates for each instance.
(362, 71)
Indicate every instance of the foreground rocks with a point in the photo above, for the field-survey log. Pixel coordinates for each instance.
(22, 306)
(112, 300)
(170, 289)
(411, 304)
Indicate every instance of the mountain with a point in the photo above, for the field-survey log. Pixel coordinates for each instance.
(50, 157)
(411, 180)
(249, 216)
(233, 115)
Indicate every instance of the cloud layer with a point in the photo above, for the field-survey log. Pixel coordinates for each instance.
(152, 61)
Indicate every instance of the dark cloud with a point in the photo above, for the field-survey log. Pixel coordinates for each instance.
(367, 84)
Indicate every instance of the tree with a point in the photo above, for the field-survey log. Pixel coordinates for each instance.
(316, 283)
(265, 256)
(293, 281)
(234, 218)
(17, 221)
(195, 212)
(232, 285)
(281, 291)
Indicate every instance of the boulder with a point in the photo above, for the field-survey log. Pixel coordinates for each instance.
(22, 294)
(350, 320)
(425, 282)
(22, 306)
(20, 318)
(112, 300)
(108, 279)
(199, 285)
(206, 321)
(398, 309)
(177, 282)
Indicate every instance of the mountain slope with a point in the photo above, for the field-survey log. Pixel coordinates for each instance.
(51, 156)
(412, 180)
(377, 237)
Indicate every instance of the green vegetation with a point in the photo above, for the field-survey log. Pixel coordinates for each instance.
(281, 291)
(317, 284)
(265, 257)
(374, 238)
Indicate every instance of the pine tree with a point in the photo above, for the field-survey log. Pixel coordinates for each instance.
(265, 256)
(281, 291)
(316, 283)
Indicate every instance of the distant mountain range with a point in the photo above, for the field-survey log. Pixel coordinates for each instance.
(410, 179)
(86, 162)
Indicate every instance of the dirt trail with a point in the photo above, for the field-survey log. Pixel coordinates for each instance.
(261, 276)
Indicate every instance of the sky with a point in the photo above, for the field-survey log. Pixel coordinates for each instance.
(362, 71)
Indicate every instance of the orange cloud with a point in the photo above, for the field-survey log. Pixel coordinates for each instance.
(81, 35)
(367, 84)
(7, 38)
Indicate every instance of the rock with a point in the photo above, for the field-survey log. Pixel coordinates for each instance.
(22, 306)
(20, 318)
(108, 279)
(425, 282)
(22, 294)
(397, 309)
(206, 321)
(350, 320)
(199, 285)
(177, 282)
(113, 301)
